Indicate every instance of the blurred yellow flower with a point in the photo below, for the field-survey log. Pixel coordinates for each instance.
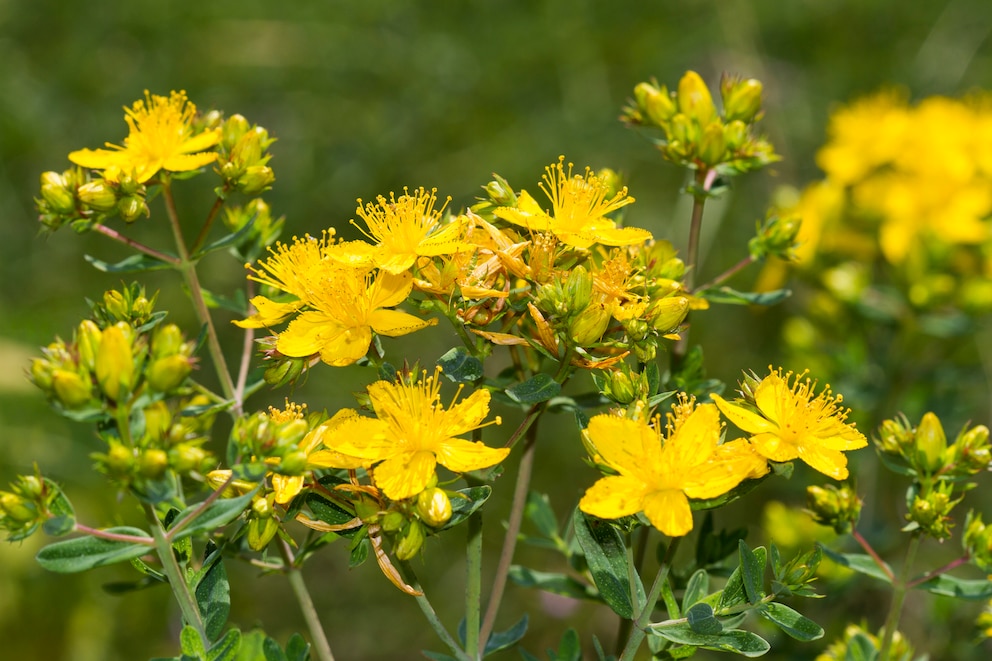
(413, 432)
(408, 227)
(659, 470)
(579, 206)
(793, 423)
(161, 137)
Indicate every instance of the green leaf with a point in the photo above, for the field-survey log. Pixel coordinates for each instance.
(236, 304)
(226, 240)
(734, 592)
(82, 553)
(213, 594)
(225, 649)
(64, 520)
(359, 552)
(794, 624)
(297, 648)
(459, 366)
(570, 648)
(437, 656)
(504, 639)
(742, 642)
(696, 588)
(463, 507)
(860, 648)
(701, 620)
(951, 586)
(734, 297)
(190, 643)
(218, 514)
(538, 511)
(606, 556)
(539, 388)
(329, 512)
(753, 572)
(554, 583)
(859, 562)
(133, 264)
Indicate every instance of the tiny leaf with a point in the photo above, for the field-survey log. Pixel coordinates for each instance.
(133, 264)
(500, 640)
(753, 572)
(701, 620)
(539, 388)
(460, 366)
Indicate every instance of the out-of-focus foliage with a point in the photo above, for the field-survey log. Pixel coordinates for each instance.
(368, 97)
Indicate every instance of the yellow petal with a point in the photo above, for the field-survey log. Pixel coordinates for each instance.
(696, 438)
(364, 439)
(462, 456)
(612, 437)
(669, 512)
(188, 162)
(286, 487)
(745, 419)
(501, 339)
(773, 447)
(829, 462)
(774, 398)
(445, 241)
(346, 347)
(268, 313)
(332, 459)
(609, 236)
(202, 141)
(98, 159)
(394, 323)
(389, 289)
(306, 334)
(467, 414)
(405, 475)
(613, 496)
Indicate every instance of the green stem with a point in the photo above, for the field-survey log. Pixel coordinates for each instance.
(692, 258)
(899, 589)
(431, 615)
(520, 490)
(170, 566)
(640, 625)
(207, 224)
(473, 585)
(207, 502)
(131, 243)
(322, 648)
(188, 270)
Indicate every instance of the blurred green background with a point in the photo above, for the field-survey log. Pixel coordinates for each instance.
(366, 98)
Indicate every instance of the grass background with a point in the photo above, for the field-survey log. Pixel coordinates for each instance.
(366, 98)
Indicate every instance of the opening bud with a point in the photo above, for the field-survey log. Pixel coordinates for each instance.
(434, 507)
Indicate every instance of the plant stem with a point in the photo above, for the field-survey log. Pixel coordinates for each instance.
(639, 630)
(692, 257)
(473, 585)
(899, 589)
(115, 537)
(188, 270)
(170, 567)
(322, 648)
(520, 490)
(246, 351)
(207, 224)
(131, 243)
(726, 275)
(207, 502)
(431, 615)
(874, 556)
(937, 572)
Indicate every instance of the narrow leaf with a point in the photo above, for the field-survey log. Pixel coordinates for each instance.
(859, 562)
(133, 264)
(606, 556)
(794, 624)
(950, 586)
(218, 514)
(226, 240)
(82, 553)
(734, 297)
(470, 501)
(753, 572)
(213, 595)
(504, 639)
(742, 642)
(226, 649)
(538, 511)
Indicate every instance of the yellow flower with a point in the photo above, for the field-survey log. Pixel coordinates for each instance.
(408, 227)
(792, 423)
(161, 137)
(659, 472)
(346, 307)
(413, 432)
(579, 206)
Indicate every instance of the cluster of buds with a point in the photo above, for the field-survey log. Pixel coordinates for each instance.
(275, 437)
(857, 637)
(105, 367)
(696, 135)
(409, 521)
(26, 506)
(243, 156)
(257, 226)
(927, 453)
(776, 237)
(837, 507)
(74, 197)
(930, 509)
(977, 541)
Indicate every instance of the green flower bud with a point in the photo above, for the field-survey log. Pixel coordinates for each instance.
(261, 531)
(128, 184)
(18, 509)
(367, 509)
(977, 541)
(578, 290)
(119, 460)
(56, 193)
(973, 449)
(667, 313)
(734, 134)
(711, 145)
(168, 340)
(589, 326)
(98, 195)
(262, 508)
(235, 127)
(71, 389)
(930, 511)
(392, 521)
(930, 444)
(152, 463)
(741, 99)
(284, 370)
(655, 104)
(115, 362)
(434, 507)
(256, 179)
(838, 507)
(895, 437)
(682, 132)
(695, 100)
(501, 193)
(41, 374)
(131, 208)
(166, 374)
(186, 458)
(293, 462)
(88, 336)
(411, 541)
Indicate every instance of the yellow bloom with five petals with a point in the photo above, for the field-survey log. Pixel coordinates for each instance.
(659, 470)
(161, 137)
(792, 423)
(413, 432)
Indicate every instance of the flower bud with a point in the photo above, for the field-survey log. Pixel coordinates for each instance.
(392, 521)
(501, 193)
(262, 508)
(256, 179)
(411, 541)
(434, 507)
(97, 195)
(589, 326)
(115, 362)
(930, 444)
(41, 374)
(656, 104)
(132, 207)
(168, 340)
(695, 101)
(18, 509)
(262, 525)
(293, 462)
(56, 194)
(166, 374)
(895, 437)
(930, 511)
(734, 135)
(711, 144)
(839, 508)
(186, 458)
(235, 127)
(118, 461)
(71, 389)
(284, 370)
(741, 99)
(88, 336)
(682, 133)
(973, 449)
(152, 463)
(667, 313)
(977, 541)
